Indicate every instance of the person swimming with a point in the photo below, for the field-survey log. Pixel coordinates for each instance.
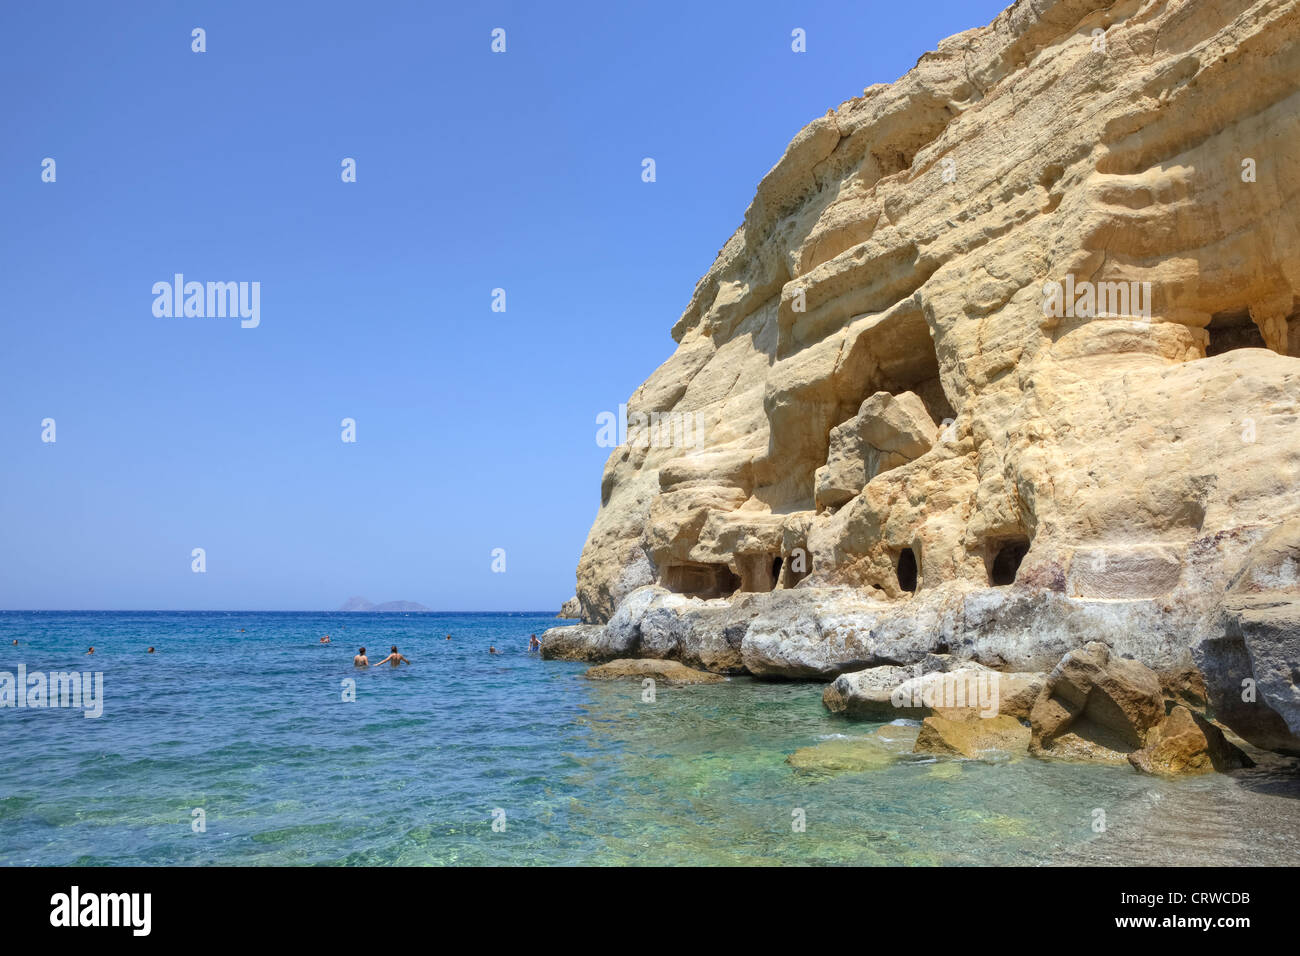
(325, 639)
(448, 638)
(15, 643)
(361, 660)
(92, 649)
(492, 650)
(395, 657)
(150, 651)
(534, 644)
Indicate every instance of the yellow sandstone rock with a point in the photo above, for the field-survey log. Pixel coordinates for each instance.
(1004, 356)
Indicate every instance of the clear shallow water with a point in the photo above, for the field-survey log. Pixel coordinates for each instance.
(241, 714)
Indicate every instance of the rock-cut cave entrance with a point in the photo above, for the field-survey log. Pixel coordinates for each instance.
(1233, 330)
(1003, 560)
(1238, 329)
(700, 580)
(905, 566)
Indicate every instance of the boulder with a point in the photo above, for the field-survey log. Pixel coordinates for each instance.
(1186, 743)
(1095, 706)
(577, 642)
(868, 693)
(937, 684)
(888, 431)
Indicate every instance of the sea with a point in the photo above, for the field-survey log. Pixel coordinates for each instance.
(245, 741)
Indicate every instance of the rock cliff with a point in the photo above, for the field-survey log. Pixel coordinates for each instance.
(1002, 360)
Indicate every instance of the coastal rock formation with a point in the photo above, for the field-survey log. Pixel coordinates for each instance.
(1003, 359)
(1250, 649)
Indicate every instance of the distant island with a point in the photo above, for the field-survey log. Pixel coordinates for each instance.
(361, 604)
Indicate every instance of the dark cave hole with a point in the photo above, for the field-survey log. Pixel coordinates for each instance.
(907, 570)
(1006, 562)
(1233, 330)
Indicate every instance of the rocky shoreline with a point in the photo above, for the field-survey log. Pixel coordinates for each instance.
(1092, 707)
(915, 449)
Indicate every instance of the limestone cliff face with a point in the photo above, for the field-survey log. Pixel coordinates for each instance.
(922, 427)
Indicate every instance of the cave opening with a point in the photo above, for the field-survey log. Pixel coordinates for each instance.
(1233, 330)
(1005, 559)
(700, 580)
(796, 568)
(776, 571)
(906, 570)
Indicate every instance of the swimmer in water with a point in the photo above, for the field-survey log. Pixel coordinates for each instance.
(534, 644)
(448, 638)
(395, 657)
(150, 651)
(325, 639)
(92, 650)
(15, 643)
(492, 650)
(361, 660)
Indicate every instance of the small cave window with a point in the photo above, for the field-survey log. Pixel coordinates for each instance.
(906, 568)
(776, 571)
(1005, 560)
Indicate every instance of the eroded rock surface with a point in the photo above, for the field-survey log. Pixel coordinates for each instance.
(911, 442)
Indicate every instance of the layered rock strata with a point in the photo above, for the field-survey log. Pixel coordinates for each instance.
(1002, 360)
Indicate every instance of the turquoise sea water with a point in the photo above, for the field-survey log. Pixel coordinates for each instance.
(242, 715)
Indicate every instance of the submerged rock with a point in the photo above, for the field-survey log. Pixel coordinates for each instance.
(972, 736)
(669, 672)
(842, 756)
(876, 751)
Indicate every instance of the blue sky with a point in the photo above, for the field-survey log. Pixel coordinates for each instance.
(475, 429)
